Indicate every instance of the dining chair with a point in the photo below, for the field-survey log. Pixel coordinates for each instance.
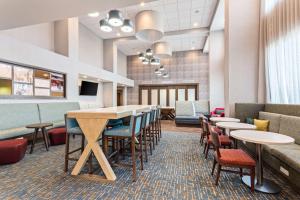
(147, 130)
(203, 130)
(144, 136)
(225, 141)
(73, 129)
(158, 122)
(231, 158)
(131, 132)
(154, 127)
(152, 130)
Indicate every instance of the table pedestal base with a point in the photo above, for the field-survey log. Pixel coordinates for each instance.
(267, 186)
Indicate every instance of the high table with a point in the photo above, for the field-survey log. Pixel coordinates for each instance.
(223, 119)
(260, 138)
(235, 126)
(92, 123)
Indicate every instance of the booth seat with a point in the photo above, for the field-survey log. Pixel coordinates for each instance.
(14, 118)
(283, 119)
(189, 112)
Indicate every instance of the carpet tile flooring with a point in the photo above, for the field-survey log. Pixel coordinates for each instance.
(176, 170)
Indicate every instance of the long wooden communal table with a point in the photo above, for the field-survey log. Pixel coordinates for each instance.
(93, 122)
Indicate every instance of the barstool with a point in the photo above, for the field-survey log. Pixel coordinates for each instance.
(128, 132)
(146, 134)
(152, 127)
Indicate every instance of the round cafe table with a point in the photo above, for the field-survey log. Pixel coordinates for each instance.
(229, 126)
(260, 138)
(223, 119)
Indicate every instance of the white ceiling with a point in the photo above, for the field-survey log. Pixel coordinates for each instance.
(16, 13)
(178, 15)
(218, 22)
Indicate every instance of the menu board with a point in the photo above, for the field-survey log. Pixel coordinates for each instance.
(5, 71)
(23, 89)
(17, 80)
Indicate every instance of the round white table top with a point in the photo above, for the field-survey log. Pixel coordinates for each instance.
(261, 137)
(236, 126)
(224, 119)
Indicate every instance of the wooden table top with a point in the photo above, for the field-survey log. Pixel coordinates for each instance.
(110, 112)
(39, 125)
(261, 137)
(236, 125)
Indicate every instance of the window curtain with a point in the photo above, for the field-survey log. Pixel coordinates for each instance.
(280, 56)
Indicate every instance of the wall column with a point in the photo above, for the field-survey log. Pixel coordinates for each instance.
(110, 94)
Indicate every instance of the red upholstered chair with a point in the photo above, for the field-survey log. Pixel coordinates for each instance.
(12, 151)
(218, 112)
(225, 141)
(232, 158)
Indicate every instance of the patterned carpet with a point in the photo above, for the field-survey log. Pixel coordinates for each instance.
(177, 170)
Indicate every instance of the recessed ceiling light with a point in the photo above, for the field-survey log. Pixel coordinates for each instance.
(142, 3)
(98, 79)
(193, 48)
(93, 14)
(195, 24)
(197, 11)
(84, 76)
(118, 34)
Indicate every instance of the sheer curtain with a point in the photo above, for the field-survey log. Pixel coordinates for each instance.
(281, 32)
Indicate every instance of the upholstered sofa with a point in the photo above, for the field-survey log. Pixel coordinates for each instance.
(283, 119)
(14, 117)
(188, 112)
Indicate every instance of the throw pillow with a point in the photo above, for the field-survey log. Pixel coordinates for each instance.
(249, 120)
(261, 125)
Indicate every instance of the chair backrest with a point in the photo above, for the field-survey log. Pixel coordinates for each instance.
(148, 116)
(136, 124)
(215, 140)
(158, 113)
(152, 116)
(205, 127)
(144, 121)
(70, 123)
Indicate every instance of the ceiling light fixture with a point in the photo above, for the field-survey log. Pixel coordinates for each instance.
(162, 49)
(93, 14)
(193, 48)
(155, 61)
(156, 71)
(149, 26)
(127, 26)
(165, 75)
(118, 34)
(142, 3)
(161, 68)
(145, 61)
(115, 18)
(141, 56)
(104, 26)
(149, 52)
(195, 24)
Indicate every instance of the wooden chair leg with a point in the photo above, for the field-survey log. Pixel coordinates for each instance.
(241, 172)
(82, 143)
(150, 140)
(252, 172)
(214, 166)
(218, 173)
(132, 146)
(145, 145)
(207, 149)
(67, 147)
(141, 151)
(204, 149)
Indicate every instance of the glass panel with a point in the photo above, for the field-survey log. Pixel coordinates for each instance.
(144, 97)
(42, 92)
(5, 70)
(42, 74)
(191, 94)
(23, 89)
(57, 84)
(44, 83)
(23, 75)
(172, 97)
(181, 94)
(163, 97)
(5, 87)
(154, 97)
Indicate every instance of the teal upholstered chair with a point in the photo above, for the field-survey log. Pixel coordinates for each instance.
(72, 129)
(145, 130)
(114, 123)
(153, 127)
(131, 132)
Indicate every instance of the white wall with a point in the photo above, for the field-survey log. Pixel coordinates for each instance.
(14, 50)
(216, 69)
(41, 35)
(241, 52)
(90, 47)
(122, 64)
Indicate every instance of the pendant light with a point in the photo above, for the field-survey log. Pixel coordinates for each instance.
(155, 61)
(145, 61)
(157, 71)
(161, 68)
(165, 75)
(115, 18)
(104, 26)
(141, 56)
(149, 52)
(127, 26)
(149, 26)
(162, 49)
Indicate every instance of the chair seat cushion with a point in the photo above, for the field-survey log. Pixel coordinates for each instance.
(57, 136)
(235, 157)
(224, 140)
(12, 151)
(120, 131)
(75, 131)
